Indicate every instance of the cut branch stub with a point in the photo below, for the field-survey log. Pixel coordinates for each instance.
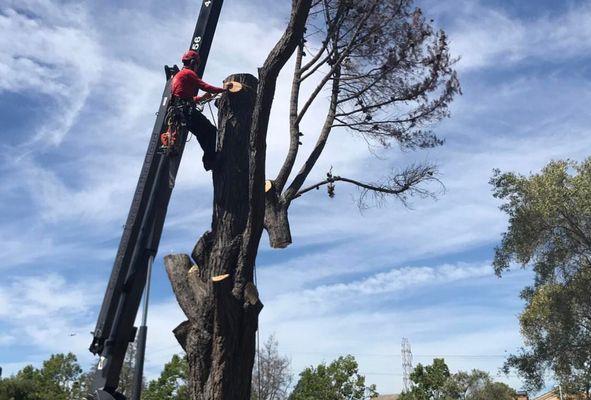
(181, 332)
(276, 220)
(268, 186)
(236, 87)
(178, 267)
(220, 278)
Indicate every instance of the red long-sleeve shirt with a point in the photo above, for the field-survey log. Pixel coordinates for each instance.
(186, 84)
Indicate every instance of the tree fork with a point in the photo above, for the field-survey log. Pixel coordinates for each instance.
(222, 311)
(276, 220)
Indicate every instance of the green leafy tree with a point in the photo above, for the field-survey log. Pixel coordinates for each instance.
(171, 385)
(429, 381)
(17, 389)
(58, 379)
(463, 384)
(338, 380)
(476, 385)
(550, 231)
(60, 375)
(493, 390)
(435, 382)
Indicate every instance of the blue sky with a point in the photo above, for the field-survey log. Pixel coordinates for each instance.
(79, 85)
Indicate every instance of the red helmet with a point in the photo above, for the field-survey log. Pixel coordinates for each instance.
(190, 55)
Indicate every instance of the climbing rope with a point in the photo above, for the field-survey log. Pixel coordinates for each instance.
(237, 86)
(201, 107)
(212, 116)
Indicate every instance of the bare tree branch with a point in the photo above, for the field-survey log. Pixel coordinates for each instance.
(339, 57)
(401, 185)
(316, 67)
(268, 73)
(271, 375)
(317, 56)
(294, 126)
(320, 143)
(391, 78)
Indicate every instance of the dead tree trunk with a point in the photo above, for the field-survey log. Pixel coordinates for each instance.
(217, 293)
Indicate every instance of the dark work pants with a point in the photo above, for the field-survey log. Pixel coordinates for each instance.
(205, 132)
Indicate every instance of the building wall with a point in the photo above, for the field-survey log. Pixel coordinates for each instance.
(554, 395)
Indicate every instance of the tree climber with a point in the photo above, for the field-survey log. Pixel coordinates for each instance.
(185, 87)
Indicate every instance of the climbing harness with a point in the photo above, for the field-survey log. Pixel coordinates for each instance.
(176, 126)
(175, 121)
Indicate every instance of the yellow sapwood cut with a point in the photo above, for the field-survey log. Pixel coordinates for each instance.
(236, 87)
(219, 278)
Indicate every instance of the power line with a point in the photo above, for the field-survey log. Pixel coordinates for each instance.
(385, 355)
(388, 355)
(401, 374)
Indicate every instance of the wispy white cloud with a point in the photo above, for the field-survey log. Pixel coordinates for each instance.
(52, 56)
(397, 280)
(487, 36)
(47, 312)
(328, 298)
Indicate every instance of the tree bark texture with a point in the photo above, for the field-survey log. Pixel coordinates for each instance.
(222, 313)
(276, 220)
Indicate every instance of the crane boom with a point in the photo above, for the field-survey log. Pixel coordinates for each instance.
(143, 229)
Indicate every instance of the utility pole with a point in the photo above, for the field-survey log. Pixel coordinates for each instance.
(406, 364)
